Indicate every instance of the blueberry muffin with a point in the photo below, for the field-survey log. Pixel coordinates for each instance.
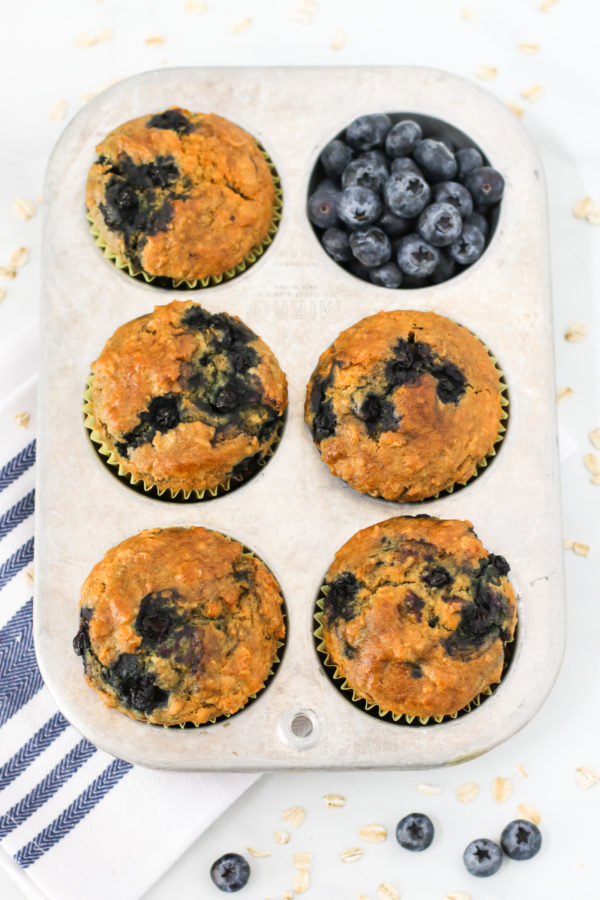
(185, 400)
(179, 625)
(179, 195)
(405, 404)
(417, 614)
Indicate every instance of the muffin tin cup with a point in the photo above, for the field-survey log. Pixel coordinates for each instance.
(183, 284)
(294, 513)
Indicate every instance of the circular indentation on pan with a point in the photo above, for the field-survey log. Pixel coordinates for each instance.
(299, 728)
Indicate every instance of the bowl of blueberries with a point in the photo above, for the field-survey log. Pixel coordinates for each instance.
(403, 200)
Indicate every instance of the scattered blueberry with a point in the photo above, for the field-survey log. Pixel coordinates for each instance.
(406, 193)
(337, 244)
(467, 160)
(436, 160)
(415, 832)
(322, 205)
(416, 257)
(454, 193)
(395, 226)
(521, 839)
(440, 224)
(358, 206)
(479, 221)
(335, 157)
(388, 275)
(369, 170)
(482, 858)
(402, 138)
(468, 247)
(371, 246)
(405, 164)
(230, 872)
(368, 132)
(486, 185)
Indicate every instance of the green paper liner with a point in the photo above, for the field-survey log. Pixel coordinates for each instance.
(109, 459)
(341, 684)
(164, 281)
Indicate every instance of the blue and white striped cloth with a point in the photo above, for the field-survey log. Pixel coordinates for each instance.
(74, 822)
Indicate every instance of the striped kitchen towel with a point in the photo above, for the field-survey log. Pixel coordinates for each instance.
(68, 809)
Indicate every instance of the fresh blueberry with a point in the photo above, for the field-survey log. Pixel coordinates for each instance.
(467, 160)
(322, 205)
(482, 858)
(445, 141)
(440, 224)
(360, 270)
(402, 138)
(444, 270)
(337, 244)
(415, 832)
(335, 157)
(371, 246)
(479, 221)
(230, 872)
(416, 257)
(368, 132)
(468, 247)
(406, 193)
(521, 839)
(395, 226)
(436, 160)
(414, 281)
(405, 164)
(369, 170)
(387, 276)
(486, 185)
(456, 194)
(358, 206)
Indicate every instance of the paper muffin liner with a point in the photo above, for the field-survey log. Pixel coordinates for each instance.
(197, 283)
(340, 682)
(109, 458)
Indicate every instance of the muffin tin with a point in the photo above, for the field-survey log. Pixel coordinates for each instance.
(294, 513)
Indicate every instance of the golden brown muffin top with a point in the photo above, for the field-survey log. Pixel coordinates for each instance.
(180, 194)
(179, 625)
(404, 404)
(417, 614)
(186, 399)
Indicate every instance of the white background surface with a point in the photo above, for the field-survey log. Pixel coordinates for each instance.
(40, 66)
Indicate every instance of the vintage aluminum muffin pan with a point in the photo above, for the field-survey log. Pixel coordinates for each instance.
(295, 514)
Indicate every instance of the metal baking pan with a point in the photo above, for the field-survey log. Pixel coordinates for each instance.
(295, 514)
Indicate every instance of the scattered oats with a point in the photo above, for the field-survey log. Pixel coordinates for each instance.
(28, 574)
(546, 5)
(7, 272)
(84, 41)
(529, 47)
(104, 36)
(563, 393)
(373, 834)
(595, 437)
(501, 789)
(516, 108)
(2, 295)
(259, 854)
(294, 815)
(467, 13)
(196, 7)
(287, 895)
(58, 111)
(590, 461)
(576, 547)
(334, 801)
(338, 40)
(387, 891)
(241, 26)
(363, 897)
(586, 778)
(576, 332)
(579, 865)
(520, 768)
(587, 209)
(302, 861)
(351, 854)
(430, 789)
(154, 40)
(467, 792)
(533, 92)
(281, 837)
(22, 419)
(18, 257)
(457, 895)
(529, 812)
(39, 199)
(306, 12)
(300, 881)
(486, 73)
(23, 208)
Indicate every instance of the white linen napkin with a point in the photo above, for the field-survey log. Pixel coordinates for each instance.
(78, 822)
